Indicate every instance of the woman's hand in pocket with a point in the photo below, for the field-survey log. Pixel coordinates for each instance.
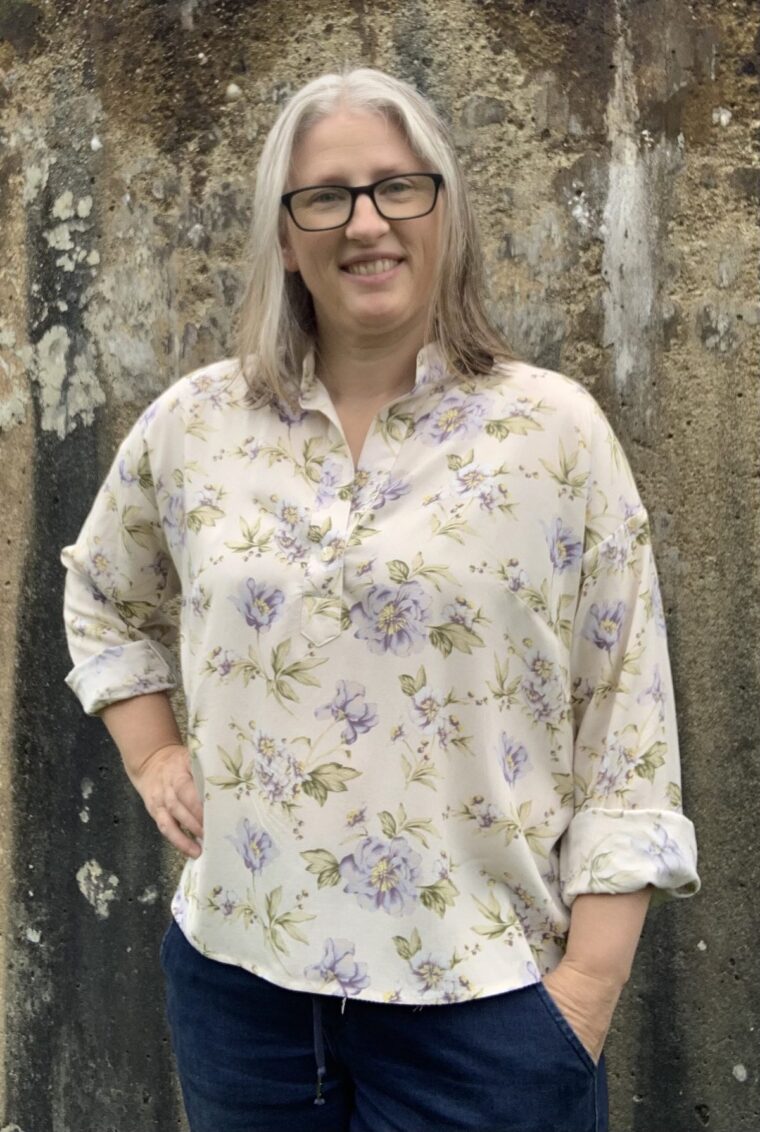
(586, 1000)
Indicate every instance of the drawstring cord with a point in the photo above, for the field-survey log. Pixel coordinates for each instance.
(319, 1047)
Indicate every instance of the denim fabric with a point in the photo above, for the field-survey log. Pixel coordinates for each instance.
(245, 1053)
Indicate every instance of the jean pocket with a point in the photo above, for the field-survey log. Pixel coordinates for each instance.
(565, 1028)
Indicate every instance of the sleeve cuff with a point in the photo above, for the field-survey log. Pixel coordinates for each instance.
(123, 671)
(626, 850)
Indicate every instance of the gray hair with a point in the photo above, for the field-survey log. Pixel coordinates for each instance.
(276, 324)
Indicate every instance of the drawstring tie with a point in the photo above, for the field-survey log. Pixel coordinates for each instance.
(319, 1047)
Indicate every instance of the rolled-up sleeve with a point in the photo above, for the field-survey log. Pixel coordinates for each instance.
(627, 830)
(120, 575)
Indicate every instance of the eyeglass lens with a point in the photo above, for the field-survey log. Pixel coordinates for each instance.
(398, 198)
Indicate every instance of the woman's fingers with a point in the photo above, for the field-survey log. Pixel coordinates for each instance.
(171, 830)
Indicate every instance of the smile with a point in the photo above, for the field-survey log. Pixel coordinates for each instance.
(372, 267)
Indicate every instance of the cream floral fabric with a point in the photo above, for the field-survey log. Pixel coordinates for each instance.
(429, 699)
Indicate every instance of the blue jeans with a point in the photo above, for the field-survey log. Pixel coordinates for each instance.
(248, 1052)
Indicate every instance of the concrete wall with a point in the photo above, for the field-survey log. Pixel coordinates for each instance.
(613, 149)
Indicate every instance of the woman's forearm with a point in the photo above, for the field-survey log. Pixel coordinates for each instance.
(140, 726)
(604, 933)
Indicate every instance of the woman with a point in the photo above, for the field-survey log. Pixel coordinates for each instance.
(431, 756)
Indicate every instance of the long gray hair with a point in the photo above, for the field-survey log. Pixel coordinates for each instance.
(276, 324)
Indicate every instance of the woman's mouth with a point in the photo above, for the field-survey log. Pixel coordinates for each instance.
(374, 267)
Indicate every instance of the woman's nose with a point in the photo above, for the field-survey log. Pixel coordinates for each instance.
(366, 220)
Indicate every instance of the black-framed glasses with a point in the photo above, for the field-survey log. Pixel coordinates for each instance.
(317, 208)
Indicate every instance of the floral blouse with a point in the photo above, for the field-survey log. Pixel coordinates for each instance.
(429, 698)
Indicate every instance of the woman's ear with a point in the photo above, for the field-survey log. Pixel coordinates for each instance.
(288, 255)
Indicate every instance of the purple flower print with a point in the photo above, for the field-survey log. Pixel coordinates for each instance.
(425, 709)
(665, 852)
(515, 576)
(513, 758)
(254, 845)
(655, 691)
(125, 476)
(604, 624)
(431, 969)
(173, 520)
(279, 773)
(392, 620)
(485, 813)
(259, 604)
(382, 875)
(657, 610)
(287, 415)
(436, 977)
(457, 416)
(565, 549)
(471, 479)
(376, 490)
(543, 690)
(338, 965)
(460, 612)
(292, 533)
(329, 482)
(348, 706)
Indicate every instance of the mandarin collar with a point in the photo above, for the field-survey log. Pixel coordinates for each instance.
(430, 369)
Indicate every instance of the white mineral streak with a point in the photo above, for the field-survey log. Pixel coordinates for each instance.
(701, 946)
(66, 396)
(14, 365)
(95, 143)
(34, 935)
(97, 888)
(721, 116)
(149, 895)
(86, 786)
(740, 1072)
(233, 92)
(84, 207)
(60, 237)
(628, 260)
(63, 206)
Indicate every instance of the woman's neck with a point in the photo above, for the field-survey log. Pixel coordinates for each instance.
(368, 372)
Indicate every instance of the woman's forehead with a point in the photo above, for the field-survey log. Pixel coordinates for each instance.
(351, 140)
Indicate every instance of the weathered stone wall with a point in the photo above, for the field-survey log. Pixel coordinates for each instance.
(613, 149)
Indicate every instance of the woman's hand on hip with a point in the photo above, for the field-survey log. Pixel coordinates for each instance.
(167, 787)
(587, 1001)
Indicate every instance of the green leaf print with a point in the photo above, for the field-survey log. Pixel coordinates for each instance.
(572, 789)
(498, 921)
(505, 694)
(411, 685)
(518, 425)
(408, 947)
(439, 896)
(300, 671)
(323, 865)
(454, 635)
(673, 791)
(252, 540)
(286, 922)
(417, 827)
(456, 463)
(329, 777)
(398, 571)
(237, 776)
(140, 531)
(422, 772)
(652, 758)
(207, 515)
(574, 484)
(144, 474)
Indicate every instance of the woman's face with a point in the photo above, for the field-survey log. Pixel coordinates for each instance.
(353, 147)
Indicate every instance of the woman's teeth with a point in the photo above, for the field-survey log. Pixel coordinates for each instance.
(374, 267)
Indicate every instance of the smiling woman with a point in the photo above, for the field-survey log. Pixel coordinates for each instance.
(432, 757)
